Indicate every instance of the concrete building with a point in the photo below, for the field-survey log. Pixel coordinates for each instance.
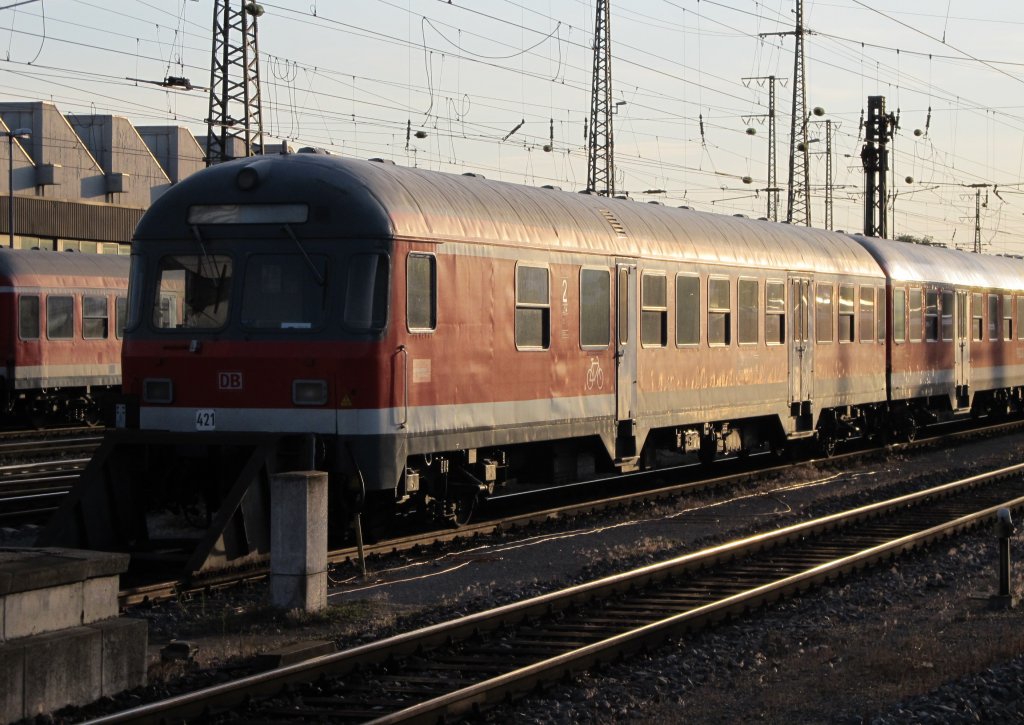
(82, 182)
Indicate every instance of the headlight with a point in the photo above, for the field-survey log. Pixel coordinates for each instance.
(309, 392)
(157, 390)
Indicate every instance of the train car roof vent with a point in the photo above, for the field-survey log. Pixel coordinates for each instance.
(614, 223)
(741, 216)
(683, 207)
(474, 175)
(379, 160)
(552, 187)
(654, 201)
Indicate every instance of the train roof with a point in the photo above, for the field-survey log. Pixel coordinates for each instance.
(21, 263)
(350, 198)
(905, 262)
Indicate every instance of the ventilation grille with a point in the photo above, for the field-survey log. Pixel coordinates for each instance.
(614, 223)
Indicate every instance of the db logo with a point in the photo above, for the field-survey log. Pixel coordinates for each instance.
(229, 381)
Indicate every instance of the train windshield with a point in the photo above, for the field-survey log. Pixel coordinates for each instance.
(192, 291)
(285, 291)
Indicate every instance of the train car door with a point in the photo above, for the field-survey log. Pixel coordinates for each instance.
(801, 352)
(626, 334)
(962, 350)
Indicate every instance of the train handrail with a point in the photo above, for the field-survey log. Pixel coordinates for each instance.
(405, 385)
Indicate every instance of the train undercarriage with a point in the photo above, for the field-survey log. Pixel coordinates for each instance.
(48, 407)
(150, 491)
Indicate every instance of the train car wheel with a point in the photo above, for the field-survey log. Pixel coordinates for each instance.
(461, 509)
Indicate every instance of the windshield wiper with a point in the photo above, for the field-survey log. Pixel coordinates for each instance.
(202, 246)
(213, 269)
(312, 267)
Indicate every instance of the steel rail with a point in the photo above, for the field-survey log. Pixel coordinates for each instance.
(169, 589)
(461, 701)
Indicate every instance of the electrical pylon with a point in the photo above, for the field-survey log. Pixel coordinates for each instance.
(798, 203)
(773, 185)
(235, 108)
(600, 142)
(878, 129)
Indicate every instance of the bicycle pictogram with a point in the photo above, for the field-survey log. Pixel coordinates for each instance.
(595, 375)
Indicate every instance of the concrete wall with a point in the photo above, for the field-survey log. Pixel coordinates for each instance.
(133, 176)
(177, 150)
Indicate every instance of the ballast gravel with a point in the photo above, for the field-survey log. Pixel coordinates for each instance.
(914, 641)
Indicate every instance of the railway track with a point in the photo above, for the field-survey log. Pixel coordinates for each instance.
(503, 521)
(457, 667)
(38, 468)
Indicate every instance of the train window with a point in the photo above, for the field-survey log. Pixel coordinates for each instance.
(931, 315)
(653, 310)
(947, 315)
(993, 317)
(202, 284)
(867, 314)
(977, 319)
(533, 308)
(914, 310)
(1020, 318)
(28, 317)
(60, 317)
(687, 309)
(1007, 317)
(899, 315)
(285, 291)
(95, 317)
(880, 316)
(719, 312)
(774, 313)
(847, 298)
(747, 311)
(366, 293)
(120, 316)
(595, 313)
(823, 312)
(421, 292)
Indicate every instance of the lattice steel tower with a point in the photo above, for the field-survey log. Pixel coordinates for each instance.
(798, 203)
(773, 185)
(235, 108)
(600, 142)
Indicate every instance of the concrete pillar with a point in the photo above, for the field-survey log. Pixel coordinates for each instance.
(298, 540)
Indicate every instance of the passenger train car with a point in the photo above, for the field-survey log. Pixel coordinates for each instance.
(435, 336)
(61, 334)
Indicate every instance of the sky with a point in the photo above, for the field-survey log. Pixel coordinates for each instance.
(488, 84)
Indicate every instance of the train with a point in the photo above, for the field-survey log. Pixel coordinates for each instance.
(429, 339)
(63, 315)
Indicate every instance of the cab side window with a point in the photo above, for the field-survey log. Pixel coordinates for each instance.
(421, 292)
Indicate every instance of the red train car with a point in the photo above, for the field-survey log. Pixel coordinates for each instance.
(61, 346)
(435, 335)
(429, 338)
